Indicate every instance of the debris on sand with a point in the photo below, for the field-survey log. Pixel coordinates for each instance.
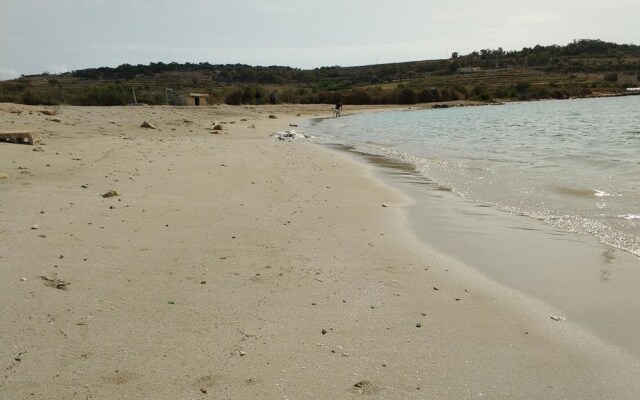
(273, 116)
(48, 112)
(55, 283)
(217, 127)
(364, 387)
(291, 135)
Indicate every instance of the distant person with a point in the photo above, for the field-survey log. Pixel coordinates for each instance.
(258, 98)
(338, 109)
(272, 97)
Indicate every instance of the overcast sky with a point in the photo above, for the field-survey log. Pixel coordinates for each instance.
(65, 35)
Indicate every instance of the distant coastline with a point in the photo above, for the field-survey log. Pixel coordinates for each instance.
(583, 68)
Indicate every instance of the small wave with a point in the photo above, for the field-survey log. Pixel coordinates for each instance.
(600, 193)
(580, 192)
(630, 217)
(574, 191)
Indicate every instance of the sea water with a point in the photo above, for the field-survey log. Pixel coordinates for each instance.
(542, 197)
(573, 164)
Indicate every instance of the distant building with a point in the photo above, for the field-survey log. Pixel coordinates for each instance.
(197, 99)
(467, 70)
(627, 78)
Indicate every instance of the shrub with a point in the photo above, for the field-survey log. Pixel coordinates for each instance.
(407, 96)
(234, 98)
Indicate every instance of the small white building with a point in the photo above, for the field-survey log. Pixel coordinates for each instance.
(197, 99)
(627, 78)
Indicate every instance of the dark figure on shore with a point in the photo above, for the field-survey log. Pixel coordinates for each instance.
(258, 98)
(338, 109)
(272, 97)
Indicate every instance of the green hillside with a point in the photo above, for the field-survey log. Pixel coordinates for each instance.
(581, 68)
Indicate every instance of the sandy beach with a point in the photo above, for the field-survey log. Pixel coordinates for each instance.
(232, 265)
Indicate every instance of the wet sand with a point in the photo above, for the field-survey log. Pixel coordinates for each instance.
(233, 265)
(590, 284)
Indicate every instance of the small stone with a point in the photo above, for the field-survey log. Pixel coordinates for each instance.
(171, 302)
(146, 124)
(217, 127)
(23, 279)
(203, 282)
(111, 207)
(84, 186)
(35, 226)
(385, 205)
(345, 354)
(435, 288)
(203, 391)
(243, 353)
(418, 325)
(324, 331)
(273, 116)
(110, 193)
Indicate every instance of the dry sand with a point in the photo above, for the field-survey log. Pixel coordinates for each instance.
(236, 266)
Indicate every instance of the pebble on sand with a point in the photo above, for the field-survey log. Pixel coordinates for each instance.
(147, 124)
(110, 193)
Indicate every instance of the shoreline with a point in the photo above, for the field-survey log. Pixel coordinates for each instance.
(527, 255)
(233, 265)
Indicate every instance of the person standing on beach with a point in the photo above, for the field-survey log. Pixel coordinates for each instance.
(272, 97)
(338, 109)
